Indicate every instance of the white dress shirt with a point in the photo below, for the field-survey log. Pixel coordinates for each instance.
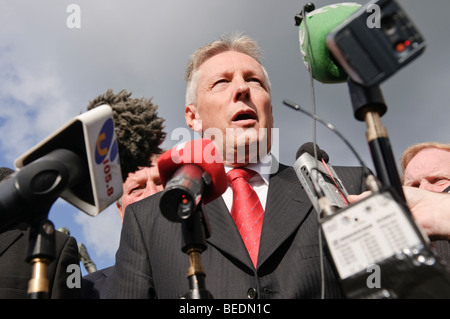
(259, 181)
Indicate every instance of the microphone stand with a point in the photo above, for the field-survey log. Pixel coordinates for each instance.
(430, 279)
(195, 230)
(41, 251)
(28, 197)
(369, 106)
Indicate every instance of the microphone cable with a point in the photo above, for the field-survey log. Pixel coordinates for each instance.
(302, 17)
(308, 8)
(331, 127)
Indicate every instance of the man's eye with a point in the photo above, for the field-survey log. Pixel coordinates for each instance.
(137, 189)
(221, 81)
(255, 80)
(440, 181)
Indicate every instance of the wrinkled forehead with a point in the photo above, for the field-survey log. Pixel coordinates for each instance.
(428, 162)
(230, 58)
(229, 62)
(431, 155)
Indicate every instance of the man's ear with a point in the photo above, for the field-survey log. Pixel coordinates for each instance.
(192, 118)
(120, 210)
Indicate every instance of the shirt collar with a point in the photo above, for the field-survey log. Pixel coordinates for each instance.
(263, 167)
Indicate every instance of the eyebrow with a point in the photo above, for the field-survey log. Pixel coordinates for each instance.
(135, 180)
(428, 178)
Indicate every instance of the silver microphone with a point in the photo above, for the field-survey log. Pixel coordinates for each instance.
(319, 179)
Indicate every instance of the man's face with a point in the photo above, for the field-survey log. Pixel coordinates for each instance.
(139, 185)
(429, 169)
(232, 100)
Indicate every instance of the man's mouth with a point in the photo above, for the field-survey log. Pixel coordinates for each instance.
(245, 118)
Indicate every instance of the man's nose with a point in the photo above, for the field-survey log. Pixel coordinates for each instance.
(152, 189)
(242, 91)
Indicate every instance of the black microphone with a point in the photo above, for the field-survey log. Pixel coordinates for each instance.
(78, 163)
(447, 190)
(27, 195)
(190, 173)
(193, 174)
(309, 148)
(340, 40)
(319, 179)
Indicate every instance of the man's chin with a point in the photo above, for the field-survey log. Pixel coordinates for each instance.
(239, 154)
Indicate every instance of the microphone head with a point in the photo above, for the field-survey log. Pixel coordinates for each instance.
(92, 137)
(319, 23)
(201, 152)
(309, 148)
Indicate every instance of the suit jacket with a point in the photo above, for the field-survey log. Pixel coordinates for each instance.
(150, 263)
(15, 272)
(95, 285)
(443, 250)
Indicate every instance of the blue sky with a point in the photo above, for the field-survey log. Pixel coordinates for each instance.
(49, 72)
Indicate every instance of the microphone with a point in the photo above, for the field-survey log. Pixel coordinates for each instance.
(328, 125)
(368, 43)
(312, 35)
(309, 148)
(190, 173)
(79, 163)
(319, 179)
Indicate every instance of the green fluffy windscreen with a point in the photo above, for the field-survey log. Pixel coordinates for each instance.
(320, 22)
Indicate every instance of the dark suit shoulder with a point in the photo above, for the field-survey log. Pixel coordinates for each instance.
(95, 284)
(351, 176)
(99, 274)
(16, 272)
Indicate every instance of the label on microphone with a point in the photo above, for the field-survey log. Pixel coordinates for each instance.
(91, 136)
(368, 232)
(103, 157)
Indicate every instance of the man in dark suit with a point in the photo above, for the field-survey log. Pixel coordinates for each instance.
(15, 272)
(228, 97)
(138, 185)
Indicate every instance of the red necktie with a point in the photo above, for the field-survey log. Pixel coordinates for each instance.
(247, 211)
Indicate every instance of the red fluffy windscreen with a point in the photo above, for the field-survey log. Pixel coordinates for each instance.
(202, 153)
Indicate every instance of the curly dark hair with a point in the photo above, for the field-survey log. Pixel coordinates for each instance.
(5, 172)
(138, 128)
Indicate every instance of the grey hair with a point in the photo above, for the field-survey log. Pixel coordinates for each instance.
(235, 42)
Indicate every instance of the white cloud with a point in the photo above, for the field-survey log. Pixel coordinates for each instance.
(101, 233)
(32, 104)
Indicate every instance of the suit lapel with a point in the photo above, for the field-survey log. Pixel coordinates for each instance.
(8, 238)
(287, 207)
(224, 233)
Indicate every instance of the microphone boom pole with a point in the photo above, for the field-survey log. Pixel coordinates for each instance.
(369, 106)
(192, 175)
(178, 204)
